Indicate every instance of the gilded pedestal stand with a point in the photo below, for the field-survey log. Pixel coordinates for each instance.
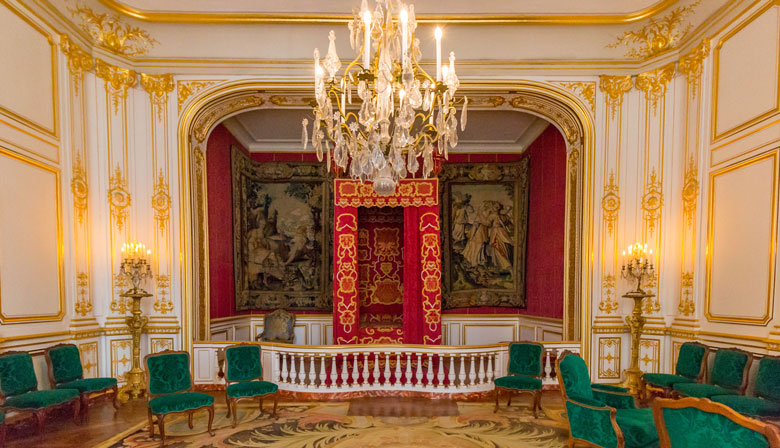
(636, 267)
(135, 269)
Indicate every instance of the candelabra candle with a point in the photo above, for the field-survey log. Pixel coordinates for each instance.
(637, 265)
(134, 267)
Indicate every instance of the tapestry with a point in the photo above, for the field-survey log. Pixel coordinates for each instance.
(484, 209)
(282, 248)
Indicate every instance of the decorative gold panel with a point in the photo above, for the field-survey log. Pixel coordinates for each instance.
(649, 355)
(614, 87)
(109, 32)
(654, 83)
(121, 357)
(610, 203)
(89, 358)
(658, 35)
(609, 358)
(652, 201)
(161, 344)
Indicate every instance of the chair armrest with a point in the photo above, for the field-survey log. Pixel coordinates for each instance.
(618, 400)
(608, 387)
(593, 423)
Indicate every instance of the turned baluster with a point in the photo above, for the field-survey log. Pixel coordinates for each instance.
(418, 373)
(375, 372)
(312, 371)
(397, 368)
(284, 378)
(490, 367)
(408, 373)
(333, 374)
(440, 373)
(547, 366)
(481, 368)
(355, 369)
(429, 371)
(323, 373)
(462, 372)
(365, 369)
(302, 370)
(293, 377)
(451, 373)
(344, 373)
(472, 372)
(387, 368)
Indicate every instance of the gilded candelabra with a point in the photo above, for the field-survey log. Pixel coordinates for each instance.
(136, 269)
(636, 268)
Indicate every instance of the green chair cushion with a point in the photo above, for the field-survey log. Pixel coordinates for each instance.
(525, 359)
(243, 363)
(2, 417)
(65, 363)
(638, 427)
(689, 360)
(593, 425)
(87, 385)
(702, 390)
(576, 380)
(168, 373)
(768, 378)
(38, 399)
(518, 382)
(694, 428)
(728, 369)
(665, 379)
(183, 401)
(250, 389)
(17, 374)
(754, 406)
(608, 387)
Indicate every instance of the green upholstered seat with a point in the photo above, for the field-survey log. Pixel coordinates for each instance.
(667, 380)
(689, 368)
(17, 374)
(728, 376)
(180, 402)
(65, 363)
(168, 373)
(89, 385)
(251, 389)
(525, 370)
(766, 403)
(589, 407)
(518, 382)
(38, 399)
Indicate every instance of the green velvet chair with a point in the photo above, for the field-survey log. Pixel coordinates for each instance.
(766, 403)
(244, 378)
(525, 373)
(19, 390)
(729, 376)
(690, 368)
(65, 372)
(698, 422)
(168, 386)
(601, 415)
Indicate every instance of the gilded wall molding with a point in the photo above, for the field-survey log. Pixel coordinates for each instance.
(608, 304)
(162, 303)
(654, 82)
(118, 197)
(687, 306)
(610, 203)
(185, 89)
(79, 187)
(546, 107)
(652, 201)
(609, 358)
(107, 31)
(691, 65)
(161, 202)
(158, 87)
(657, 36)
(205, 121)
(690, 192)
(79, 61)
(117, 79)
(583, 89)
(614, 87)
(83, 304)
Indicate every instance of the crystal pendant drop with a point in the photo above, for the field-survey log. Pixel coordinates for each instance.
(305, 133)
(412, 165)
(384, 184)
(463, 113)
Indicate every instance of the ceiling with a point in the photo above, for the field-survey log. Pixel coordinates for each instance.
(279, 130)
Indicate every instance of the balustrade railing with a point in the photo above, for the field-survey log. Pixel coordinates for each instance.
(348, 368)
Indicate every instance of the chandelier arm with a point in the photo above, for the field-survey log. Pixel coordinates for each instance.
(415, 63)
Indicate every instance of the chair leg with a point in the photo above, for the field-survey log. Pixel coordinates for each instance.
(2, 435)
(84, 398)
(151, 423)
(161, 423)
(537, 402)
(276, 402)
(40, 417)
(189, 419)
(509, 400)
(211, 419)
(77, 410)
(227, 400)
(571, 443)
(261, 405)
(116, 397)
(233, 405)
(495, 392)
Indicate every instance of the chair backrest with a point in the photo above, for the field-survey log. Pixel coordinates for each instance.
(278, 326)
(525, 358)
(688, 422)
(573, 376)
(692, 360)
(17, 374)
(768, 378)
(243, 363)
(64, 363)
(730, 368)
(168, 372)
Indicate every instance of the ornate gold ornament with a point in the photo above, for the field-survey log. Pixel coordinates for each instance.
(691, 65)
(83, 304)
(109, 32)
(120, 284)
(79, 188)
(118, 197)
(608, 304)
(161, 202)
(584, 89)
(79, 61)
(185, 89)
(614, 87)
(610, 203)
(690, 191)
(163, 302)
(158, 87)
(117, 79)
(609, 358)
(658, 35)
(686, 307)
(546, 108)
(652, 201)
(204, 122)
(654, 83)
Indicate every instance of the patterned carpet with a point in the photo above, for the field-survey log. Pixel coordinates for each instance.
(327, 424)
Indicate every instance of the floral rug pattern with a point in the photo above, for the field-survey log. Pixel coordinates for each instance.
(326, 424)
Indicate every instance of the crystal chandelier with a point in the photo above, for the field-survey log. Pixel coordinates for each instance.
(404, 114)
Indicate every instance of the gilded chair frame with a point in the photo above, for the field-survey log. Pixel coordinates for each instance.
(621, 439)
(667, 391)
(771, 432)
(232, 403)
(39, 414)
(536, 394)
(161, 417)
(84, 397)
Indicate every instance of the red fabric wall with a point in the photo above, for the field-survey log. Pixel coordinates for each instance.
(547, 198)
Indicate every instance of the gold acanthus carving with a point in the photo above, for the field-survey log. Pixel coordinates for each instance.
(158, 87)
(79, 188)
(117, 79)
(658, 35)
(108, 31)
(204, 122)
(686, 307)
(163, 303)
(79, 61)
(119, 304)
(608, 304)
(544, 107)
(654, 83)
(584, 89)
(83, 303)
(185, 89)
(652, 201)
(690, 191)
(610, 203)
(118, 197)
(691, 65)
(161, 202)
(614, 87)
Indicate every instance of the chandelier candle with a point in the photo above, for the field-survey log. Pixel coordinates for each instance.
(404, 113)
